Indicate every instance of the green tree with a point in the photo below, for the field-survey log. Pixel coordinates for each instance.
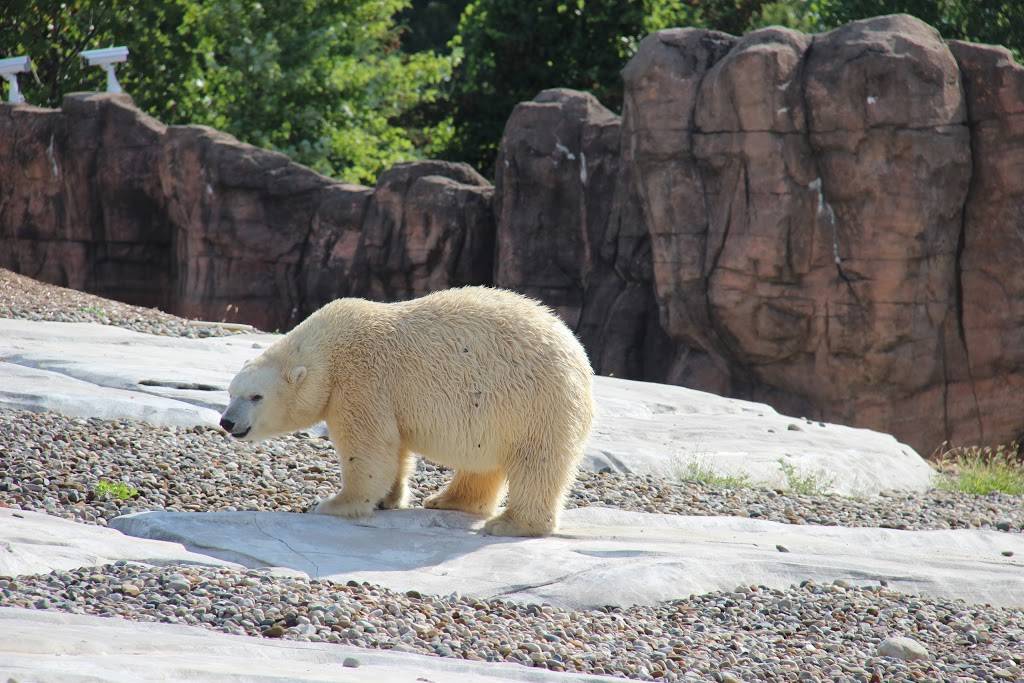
(321, 80)
(429, 24)
(53, 33)
(509, 50)
(983, 21)
(796, 14)
(838, 12)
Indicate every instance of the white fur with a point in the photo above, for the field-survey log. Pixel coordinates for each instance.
(482, 380)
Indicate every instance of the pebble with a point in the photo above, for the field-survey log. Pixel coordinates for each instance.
(903, 648)
(202, 468)
(27, 299)
(751, 633)
(179, 584)
(350, 662)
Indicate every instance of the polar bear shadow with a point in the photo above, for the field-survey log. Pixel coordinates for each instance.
(435, 550)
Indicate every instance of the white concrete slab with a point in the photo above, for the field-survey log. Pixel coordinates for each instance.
(117, 358)
(26, 388)
(657, 429)
(37, 543)
(76, 648)
(602, 556)
(86, 369)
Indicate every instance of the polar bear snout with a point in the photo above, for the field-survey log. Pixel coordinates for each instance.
(231, 428)
(237, 419)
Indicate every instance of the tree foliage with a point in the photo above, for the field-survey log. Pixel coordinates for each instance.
(321, 80)
(429, 24)
(53, 33)
(508, 50)
(982, 21)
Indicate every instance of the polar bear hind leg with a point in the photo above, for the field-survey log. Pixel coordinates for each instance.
(473, 492)
(398, 496)
(537, 484)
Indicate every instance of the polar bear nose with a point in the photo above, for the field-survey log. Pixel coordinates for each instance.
(227, 424)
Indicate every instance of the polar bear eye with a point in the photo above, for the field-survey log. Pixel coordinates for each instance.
(255, 397)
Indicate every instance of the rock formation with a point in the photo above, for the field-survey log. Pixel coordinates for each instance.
(833, 224)
(570, 234)
(804, 199)
(109, 200)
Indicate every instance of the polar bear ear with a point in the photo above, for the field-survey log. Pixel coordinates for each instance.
(297, 374)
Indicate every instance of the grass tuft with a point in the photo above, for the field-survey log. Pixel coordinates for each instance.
(805, 483)
(699, 471)
(117, 490)
(94, 310)
(982, 469)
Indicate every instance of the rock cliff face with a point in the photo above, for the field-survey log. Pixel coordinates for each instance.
(804, 198)
(833, 224)
(570, 232)
(98, 196)
(830, 223)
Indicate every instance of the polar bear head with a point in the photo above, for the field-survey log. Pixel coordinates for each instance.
(269, 397)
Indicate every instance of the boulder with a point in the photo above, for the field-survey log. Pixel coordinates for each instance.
(804, 200)
(661, 85)
(429, 226)
(195, 222)
(244, 221)
(87, 211)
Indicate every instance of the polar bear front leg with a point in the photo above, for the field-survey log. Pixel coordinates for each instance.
(369, 471)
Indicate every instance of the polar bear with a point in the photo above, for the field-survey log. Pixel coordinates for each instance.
(482, 380)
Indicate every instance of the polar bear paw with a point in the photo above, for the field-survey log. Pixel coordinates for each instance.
(343, 508)
(397, 499)
(445, 501)
(505, 525)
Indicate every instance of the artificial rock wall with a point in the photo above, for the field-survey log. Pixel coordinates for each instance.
(833, 224)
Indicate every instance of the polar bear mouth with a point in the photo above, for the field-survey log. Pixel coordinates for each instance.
(240, 435)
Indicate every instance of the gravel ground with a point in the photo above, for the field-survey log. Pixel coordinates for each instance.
(54, 463)
(24, 298)
(808, 633)
(811, 633)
